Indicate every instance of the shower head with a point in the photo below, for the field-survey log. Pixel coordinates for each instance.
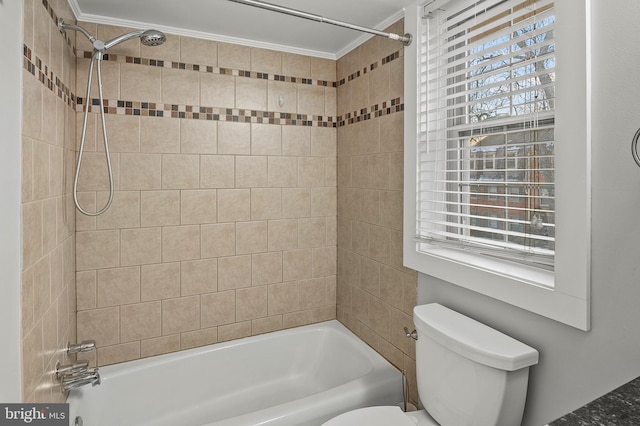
(148, 38)
(152, 38)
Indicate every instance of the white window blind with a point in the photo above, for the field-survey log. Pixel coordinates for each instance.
(486, 99)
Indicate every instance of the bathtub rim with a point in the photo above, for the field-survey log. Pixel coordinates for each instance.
(115, 370)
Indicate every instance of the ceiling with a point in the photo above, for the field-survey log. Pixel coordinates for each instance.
(224, 20)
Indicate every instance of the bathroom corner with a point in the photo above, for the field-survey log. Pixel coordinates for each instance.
(376, 293)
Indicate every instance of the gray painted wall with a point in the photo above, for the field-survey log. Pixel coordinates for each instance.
(576, 367)
(10, 248)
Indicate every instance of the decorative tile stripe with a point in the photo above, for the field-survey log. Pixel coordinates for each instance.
(395, 55)
(375, 111)
(154, 109)
(384, 61)
(53, 83)
(208, 69)
(240, 73)
(45, 76)
(54, 17)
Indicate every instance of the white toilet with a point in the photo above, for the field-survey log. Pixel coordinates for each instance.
(468, 374)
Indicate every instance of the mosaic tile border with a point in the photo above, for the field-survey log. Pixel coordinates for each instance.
(241, 73)
(194, 112)
(154, 109)
(384, 61)
(207, 69)
(42, 72)
(374, 111)
(54, 84)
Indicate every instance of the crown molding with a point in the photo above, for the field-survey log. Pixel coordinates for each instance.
(75, 8)
(98, 19)
(364, 37)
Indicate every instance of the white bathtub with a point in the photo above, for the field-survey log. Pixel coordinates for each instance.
(302, 376)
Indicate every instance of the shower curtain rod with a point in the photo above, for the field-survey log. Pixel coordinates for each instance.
(405, 39)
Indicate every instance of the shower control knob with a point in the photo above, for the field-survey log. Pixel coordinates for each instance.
(84, 346)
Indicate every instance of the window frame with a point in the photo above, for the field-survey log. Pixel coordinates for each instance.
(564, 293)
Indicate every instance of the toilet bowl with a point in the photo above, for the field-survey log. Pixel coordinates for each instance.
(468, 374)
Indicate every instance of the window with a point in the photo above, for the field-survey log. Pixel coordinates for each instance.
(487, 92)
(495, 118)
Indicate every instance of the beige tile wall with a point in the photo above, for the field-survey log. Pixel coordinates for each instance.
(219, 229)
(48, 215)
(376, 294)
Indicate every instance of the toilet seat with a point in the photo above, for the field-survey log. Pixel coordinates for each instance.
(373, 416)
(382, 416)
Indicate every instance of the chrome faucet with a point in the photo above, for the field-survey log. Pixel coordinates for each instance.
(76, 374)
(73, 381)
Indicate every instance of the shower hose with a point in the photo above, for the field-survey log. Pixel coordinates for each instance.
(96, 58)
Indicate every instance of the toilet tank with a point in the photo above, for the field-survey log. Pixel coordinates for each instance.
(469, 373)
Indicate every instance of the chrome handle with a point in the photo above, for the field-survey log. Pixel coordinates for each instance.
(413, 334)
(71, 369)
(84, 346)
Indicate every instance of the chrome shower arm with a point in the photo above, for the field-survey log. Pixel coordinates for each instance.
(121, 38)
(62, 26)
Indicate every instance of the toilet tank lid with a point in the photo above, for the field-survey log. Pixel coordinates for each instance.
(472, 339)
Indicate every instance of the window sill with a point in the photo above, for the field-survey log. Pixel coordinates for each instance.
(523, 286)
(509, 270)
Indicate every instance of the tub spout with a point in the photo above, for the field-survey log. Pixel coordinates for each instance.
(75, 375)
(72, 381)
